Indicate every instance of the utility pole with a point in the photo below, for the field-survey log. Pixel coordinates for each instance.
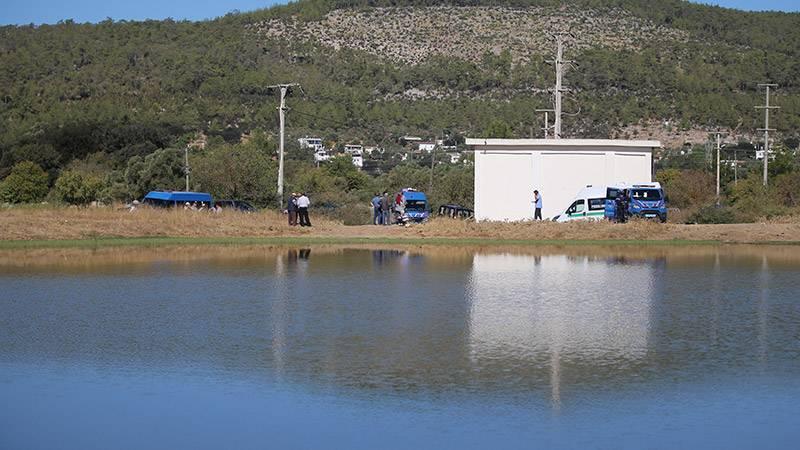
(559, 64)
(719, 145)
(281, 113)
(186, 168)
(766, 128)
(546, 120)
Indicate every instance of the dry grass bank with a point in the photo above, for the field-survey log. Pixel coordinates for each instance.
(48, 223)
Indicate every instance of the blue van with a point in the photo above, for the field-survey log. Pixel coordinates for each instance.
(646, 200)
(416, 206)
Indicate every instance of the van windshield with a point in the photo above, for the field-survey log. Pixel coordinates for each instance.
(415, 205)
(646, 194)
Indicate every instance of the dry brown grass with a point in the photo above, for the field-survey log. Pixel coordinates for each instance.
(87, 223)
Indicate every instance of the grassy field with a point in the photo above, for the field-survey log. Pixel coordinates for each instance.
(88, 227)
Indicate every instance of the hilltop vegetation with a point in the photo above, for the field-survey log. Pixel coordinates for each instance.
(100, 99)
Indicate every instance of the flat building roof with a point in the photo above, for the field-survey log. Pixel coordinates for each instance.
(492, 142)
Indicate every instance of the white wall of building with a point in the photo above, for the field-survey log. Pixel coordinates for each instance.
(508, 170)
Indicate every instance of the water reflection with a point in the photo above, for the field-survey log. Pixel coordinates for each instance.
(535, 311)
(499, 347)
(550, 322)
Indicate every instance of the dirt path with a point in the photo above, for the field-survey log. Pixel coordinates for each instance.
(87, 223)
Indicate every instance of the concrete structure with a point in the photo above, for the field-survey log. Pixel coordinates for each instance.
(311, 142)
(426, 146)
(508, 170)
(353, 149)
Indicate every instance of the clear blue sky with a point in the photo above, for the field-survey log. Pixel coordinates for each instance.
(51, 11)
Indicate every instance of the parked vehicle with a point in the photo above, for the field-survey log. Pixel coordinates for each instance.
(415, 206)
(589, 204)
(177, 198)
(456, 211)
(239, 205)
(646, 200)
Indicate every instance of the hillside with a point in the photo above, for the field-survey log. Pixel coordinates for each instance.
(408, 35)
(373, 73)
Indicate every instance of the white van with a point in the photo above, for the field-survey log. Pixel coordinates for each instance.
(589, 204)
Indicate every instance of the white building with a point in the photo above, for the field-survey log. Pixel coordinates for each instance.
(426, 146)
(352, 149)
(311, 142)
(508, 170)
(358, 160)
(321, 156)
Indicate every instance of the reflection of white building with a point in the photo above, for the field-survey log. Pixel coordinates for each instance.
(531, 307)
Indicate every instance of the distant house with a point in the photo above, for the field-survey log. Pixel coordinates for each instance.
(352, 149)
(426, 146)
(358, 160)
(321, 155)
(410, 140)
(311, 142)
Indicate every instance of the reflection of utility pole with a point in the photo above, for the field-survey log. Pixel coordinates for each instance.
(546, 120)
(186, 168)
(766, 128)
(281, 113)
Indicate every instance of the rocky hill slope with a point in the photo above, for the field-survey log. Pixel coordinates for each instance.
(413, 35)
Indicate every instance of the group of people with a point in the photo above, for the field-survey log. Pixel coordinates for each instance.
(201, 206)
(383, 205)
(297, 209)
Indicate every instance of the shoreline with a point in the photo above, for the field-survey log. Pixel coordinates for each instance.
(146, 241)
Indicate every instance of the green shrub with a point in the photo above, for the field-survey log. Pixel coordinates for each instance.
(76, 188)
(713, 214)
(27, 183)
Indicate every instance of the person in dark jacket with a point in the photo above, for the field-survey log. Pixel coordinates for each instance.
(620, 207)
(291, 209)
(386, 205)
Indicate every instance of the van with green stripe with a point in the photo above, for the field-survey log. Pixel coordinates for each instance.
(588, 204)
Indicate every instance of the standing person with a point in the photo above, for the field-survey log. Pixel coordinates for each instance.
(620, 206)
(537, 200)
(377, 218)
(385, 206)
(302, 210)
(291, 209)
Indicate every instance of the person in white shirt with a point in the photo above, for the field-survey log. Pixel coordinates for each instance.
(302, 210)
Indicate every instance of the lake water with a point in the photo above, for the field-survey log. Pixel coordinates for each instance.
(326, 347)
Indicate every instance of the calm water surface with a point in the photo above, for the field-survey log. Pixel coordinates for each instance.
(403, 348)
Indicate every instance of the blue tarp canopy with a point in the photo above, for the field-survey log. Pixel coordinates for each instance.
(178, 196)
